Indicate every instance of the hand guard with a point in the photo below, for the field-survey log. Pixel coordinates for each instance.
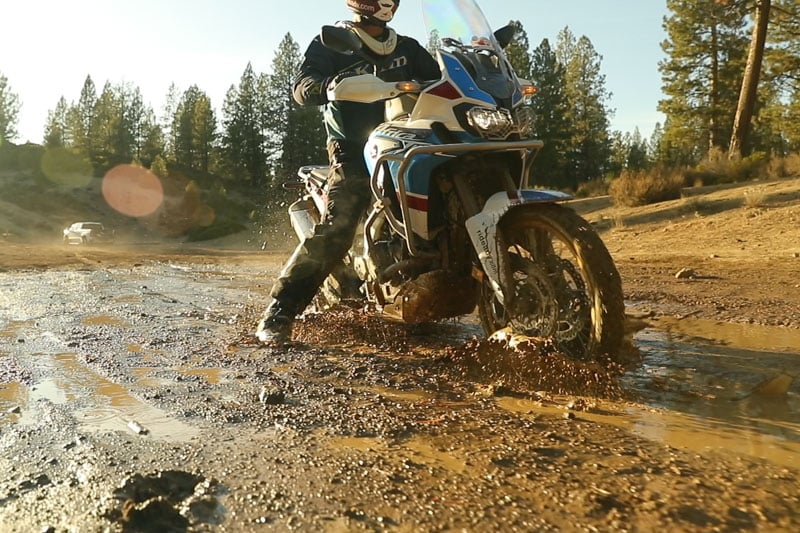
(331, 82)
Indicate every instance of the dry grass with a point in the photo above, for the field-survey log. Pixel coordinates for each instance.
(718, 168)
(755, 198)
(637, 188)
(695, 206)
(784, 167)
(590, 189)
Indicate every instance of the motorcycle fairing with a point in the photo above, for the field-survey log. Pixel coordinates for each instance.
(463, 82)
(482, 228)
(400, 136)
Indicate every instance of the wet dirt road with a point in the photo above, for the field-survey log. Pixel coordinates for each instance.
(132, 397)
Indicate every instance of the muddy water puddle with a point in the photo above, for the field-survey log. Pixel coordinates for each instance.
(701, 386)
(98, 404)
(718, 387)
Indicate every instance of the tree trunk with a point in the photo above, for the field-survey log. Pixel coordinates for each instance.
(713, 137)
(752, 73)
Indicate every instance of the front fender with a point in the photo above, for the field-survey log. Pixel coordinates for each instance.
(482, 228)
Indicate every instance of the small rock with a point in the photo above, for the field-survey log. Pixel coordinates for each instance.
(271, 397)
(796, 255)
(137, 428)
(685, 273)
(15, 410)
(578, 405)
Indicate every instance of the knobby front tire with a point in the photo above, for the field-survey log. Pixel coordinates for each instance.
(564, 283)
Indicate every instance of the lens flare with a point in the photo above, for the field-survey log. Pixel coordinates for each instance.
(133, 190)
(65, 168)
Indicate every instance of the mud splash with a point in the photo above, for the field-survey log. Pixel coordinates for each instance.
(533, 364)
(700, 385)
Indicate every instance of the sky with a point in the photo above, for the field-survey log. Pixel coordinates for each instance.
(48, 47)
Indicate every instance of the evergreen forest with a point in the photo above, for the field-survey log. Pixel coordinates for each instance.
(731, 101)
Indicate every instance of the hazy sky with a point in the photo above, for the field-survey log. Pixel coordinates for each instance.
(48, 47)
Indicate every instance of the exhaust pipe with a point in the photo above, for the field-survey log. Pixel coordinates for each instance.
(304, 217)
(410, 268)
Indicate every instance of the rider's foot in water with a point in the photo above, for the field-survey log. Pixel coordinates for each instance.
(274, 329)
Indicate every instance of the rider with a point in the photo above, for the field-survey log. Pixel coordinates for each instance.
(348, 125)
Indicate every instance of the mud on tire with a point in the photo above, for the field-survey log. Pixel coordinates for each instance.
(566, 285)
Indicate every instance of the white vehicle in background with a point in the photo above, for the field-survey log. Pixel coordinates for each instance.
(86, 233)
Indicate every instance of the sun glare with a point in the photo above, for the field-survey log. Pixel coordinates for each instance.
(133, 190)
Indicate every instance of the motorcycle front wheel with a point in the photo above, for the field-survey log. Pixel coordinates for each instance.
(560, 283)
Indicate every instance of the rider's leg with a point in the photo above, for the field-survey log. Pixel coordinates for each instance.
(317, 256)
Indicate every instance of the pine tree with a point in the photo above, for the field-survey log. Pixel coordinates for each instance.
(781, 76)
(194, 129)
(56, 133)
(638, 157)
(167, 118)
(113, 130)
(518, 51)
(655, 144)
(152, 144)
(134, 118)
(243, 139)
(752, 77)
(104, 128)
(295, 132)
(705, 47)
(204, 133)
(550, 108)
(9, 111)
(589, 146)
(620, 151)
(81, 116)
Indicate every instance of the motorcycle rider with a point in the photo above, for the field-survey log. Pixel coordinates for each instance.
(348, 125)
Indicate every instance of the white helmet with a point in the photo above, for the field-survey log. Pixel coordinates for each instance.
(376, 11)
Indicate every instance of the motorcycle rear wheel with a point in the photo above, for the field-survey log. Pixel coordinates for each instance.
(565, 285)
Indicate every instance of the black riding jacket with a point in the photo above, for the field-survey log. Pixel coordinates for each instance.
(353, 121)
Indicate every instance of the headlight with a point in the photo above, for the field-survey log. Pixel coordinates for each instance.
(492, 123)
(525, 120)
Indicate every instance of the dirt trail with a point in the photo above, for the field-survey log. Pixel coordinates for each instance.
(133, 398)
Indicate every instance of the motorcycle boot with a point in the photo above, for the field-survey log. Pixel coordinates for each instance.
(275, 327)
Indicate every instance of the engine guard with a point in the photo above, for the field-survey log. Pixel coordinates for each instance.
(433, 296)
(482, 228)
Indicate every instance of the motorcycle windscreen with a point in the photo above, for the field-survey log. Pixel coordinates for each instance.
(461, 20)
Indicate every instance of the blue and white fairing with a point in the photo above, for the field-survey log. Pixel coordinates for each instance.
(475, 75)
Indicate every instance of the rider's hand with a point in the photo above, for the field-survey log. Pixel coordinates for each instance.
(331, 82)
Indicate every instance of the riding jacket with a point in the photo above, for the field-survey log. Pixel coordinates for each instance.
(353, 121)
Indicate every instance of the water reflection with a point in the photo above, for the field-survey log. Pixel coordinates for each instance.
(99, 404)
(708, 396)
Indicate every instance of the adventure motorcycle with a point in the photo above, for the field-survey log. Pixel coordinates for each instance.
(455, 224)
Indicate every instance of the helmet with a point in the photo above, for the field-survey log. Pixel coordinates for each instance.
(376, 11)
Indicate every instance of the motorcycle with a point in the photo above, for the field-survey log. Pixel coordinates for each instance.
(456, 224)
